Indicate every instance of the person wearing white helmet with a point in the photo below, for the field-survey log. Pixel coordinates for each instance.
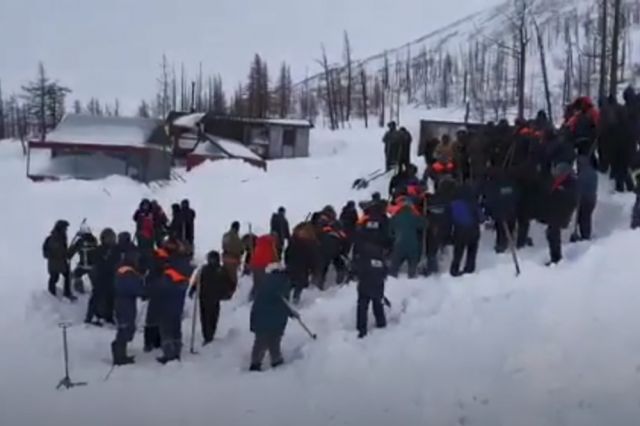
(84, 245)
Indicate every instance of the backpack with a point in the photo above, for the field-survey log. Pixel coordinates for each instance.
(45, 248)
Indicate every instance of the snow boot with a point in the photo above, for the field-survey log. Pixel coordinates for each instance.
(119, 354)
(71, 297)
(277, 363)
(362, 334)
(78, 286)
(255, 367)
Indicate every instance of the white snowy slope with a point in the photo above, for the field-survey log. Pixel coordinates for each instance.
(553, 347)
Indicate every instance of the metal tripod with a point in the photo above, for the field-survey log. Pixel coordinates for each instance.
(66, 381)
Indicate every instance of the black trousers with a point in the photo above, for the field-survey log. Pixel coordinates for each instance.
(54, 277)
(502, 239)
(300, 280)
(152, 338)
(209, 315)
(524, 221)
(554, 238)
(363, 311)
(585, 214)
(464, 246)
(264, 343)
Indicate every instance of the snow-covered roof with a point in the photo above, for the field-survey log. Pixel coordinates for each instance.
(285, 122)
(81, 129)
(189, 121)
(234, 148)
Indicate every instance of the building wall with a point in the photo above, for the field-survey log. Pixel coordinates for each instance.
(302, 143)
(275, 142)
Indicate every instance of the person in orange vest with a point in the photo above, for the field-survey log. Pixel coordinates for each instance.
(333, 246)
(129, 286)
(173, 288)
(439, 171)
(264, 254)
(159, 262)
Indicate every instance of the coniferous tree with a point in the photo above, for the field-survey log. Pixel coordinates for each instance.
(143, 110)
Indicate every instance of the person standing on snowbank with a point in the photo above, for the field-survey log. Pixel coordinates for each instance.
(129, 287)
(369, 255)
(280, 228)
(107, 258)
(173, 289)
(215, 285)
(85, 246)
(269, 316)
(56, 250)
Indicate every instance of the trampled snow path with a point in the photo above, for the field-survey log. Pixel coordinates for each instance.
(554, 347)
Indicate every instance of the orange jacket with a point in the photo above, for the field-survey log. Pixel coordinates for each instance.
(265, 252)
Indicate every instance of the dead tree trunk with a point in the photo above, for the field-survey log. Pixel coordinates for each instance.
(330, 104)
(603, 49)
(615, 46)
(545, 77)
(365, 107)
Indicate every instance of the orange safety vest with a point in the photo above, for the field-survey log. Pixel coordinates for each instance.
(175, 276)
(161, 253)
(439, 167)
(124, 269)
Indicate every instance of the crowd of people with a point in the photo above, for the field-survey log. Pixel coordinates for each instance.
(506, 175)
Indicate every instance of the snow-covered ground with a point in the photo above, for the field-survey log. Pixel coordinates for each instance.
(555, 346)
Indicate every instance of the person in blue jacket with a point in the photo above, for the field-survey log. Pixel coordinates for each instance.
(465, 219)
(269, 316)
(172, 288)
(129, 286)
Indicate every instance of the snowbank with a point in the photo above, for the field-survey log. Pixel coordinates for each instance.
(553, 347)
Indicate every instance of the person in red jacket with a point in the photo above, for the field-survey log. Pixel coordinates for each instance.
(264, 253)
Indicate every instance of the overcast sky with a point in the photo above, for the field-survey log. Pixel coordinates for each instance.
(112, 48)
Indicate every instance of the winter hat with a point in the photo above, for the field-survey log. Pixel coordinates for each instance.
(61, 225)
(84, 229)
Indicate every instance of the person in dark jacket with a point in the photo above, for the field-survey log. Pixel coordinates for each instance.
(215, 284)
(280, 228)
(85, 245)
(587, 196)
(172, 290)
(269, 317)
(391, 142)
(465, 220)
(561, 199)
(501, 196)
(302, 257)
(188, 222)
(129, 286)
(371, 272)
(404, 148)
(106, 261)
(159, 263)
(438, 232)
(145, 222)
(349, 217)
(406, 225)
(160, 222)
(55, 249)
(176, 226)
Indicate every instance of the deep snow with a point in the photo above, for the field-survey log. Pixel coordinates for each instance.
(553, 347)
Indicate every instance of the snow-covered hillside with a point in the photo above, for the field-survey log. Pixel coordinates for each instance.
(555, 346)
(474, 60)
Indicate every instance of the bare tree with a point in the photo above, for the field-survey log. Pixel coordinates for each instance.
(604, 18)
(333, 122)
(615, 47)
(143, 110)
(347, 58)
(365, 106)
(543, 65)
